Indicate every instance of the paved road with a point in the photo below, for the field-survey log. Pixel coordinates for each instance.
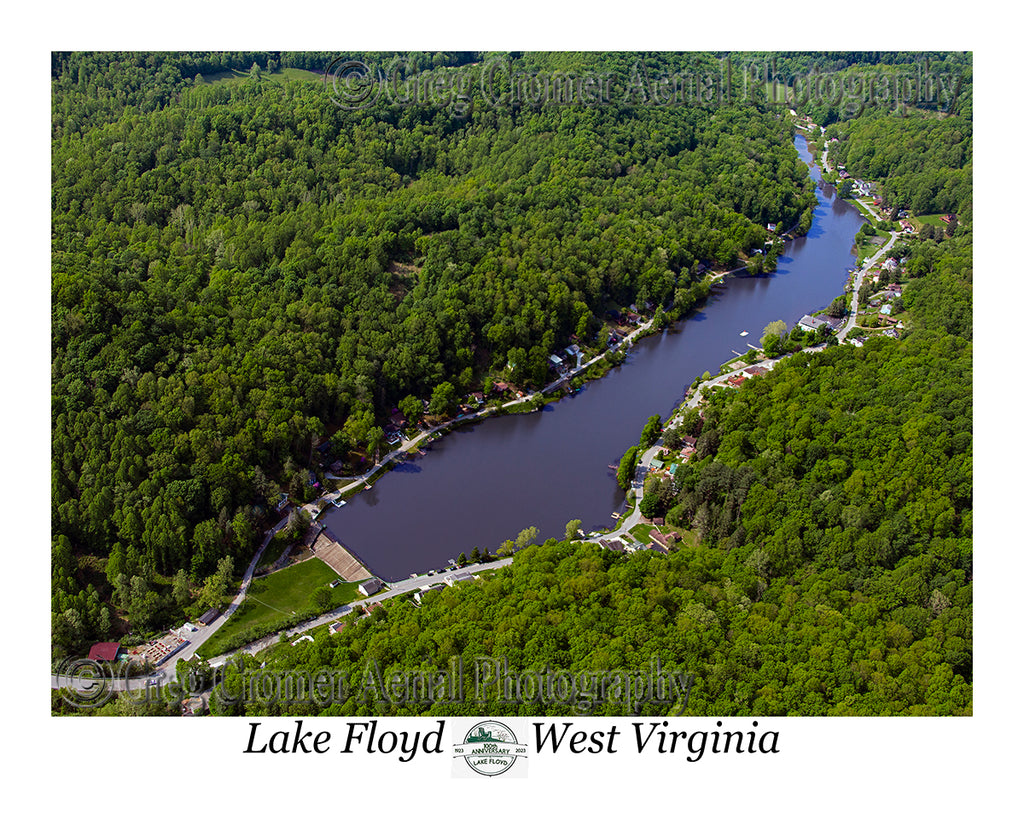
(165, 674)
(858, 280)
(395, 589)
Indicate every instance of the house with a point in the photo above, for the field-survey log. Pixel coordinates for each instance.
(736, 380)
(664, 540)
(689, 441)
(418, 596)
(755, 370)
(334, 628)
(890, 264)
(208, 617)
(613, 545)
(555, 360)
(857, 342)
(106, 652)
(371, 586)
(885, 309)
(811, 323)
(457, 577)
(947, 218)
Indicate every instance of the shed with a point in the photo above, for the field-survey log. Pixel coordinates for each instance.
(208, 617)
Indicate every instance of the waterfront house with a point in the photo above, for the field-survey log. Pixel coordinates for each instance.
(371, 586)
(811, 323)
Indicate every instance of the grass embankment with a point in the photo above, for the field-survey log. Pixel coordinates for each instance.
(278, 601)
(282, 74)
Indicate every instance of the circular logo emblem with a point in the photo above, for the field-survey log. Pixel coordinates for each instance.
(490, 748)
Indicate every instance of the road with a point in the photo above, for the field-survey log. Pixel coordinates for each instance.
(858, 280)
(395, 589)
(165, 673)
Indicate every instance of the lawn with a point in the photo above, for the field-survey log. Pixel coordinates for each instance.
(933, 219)
(280, 597)
(236, 75)
(642, 532)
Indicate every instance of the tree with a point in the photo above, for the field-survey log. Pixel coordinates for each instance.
(572, 529)
(673, 436)
(321, 598)
(442, 399)
(777, 328)
(526, 537)
(837, 309)
(412, 409)
(181, 590)
(650, 433)
(772, 345)
(461, 560)
(627, 465)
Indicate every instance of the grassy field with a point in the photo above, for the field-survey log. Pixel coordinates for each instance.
(278, 597)
(642, 532)
(933, 219)
(280, 75)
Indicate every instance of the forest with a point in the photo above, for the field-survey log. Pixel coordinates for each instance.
(242, 271)
(832, 576)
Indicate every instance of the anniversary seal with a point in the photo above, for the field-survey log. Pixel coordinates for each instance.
(490, 748)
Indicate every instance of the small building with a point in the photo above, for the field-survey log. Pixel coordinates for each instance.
(334, 628)
(106, 652)
(457, 577)
(370, 586)
(208, 617)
